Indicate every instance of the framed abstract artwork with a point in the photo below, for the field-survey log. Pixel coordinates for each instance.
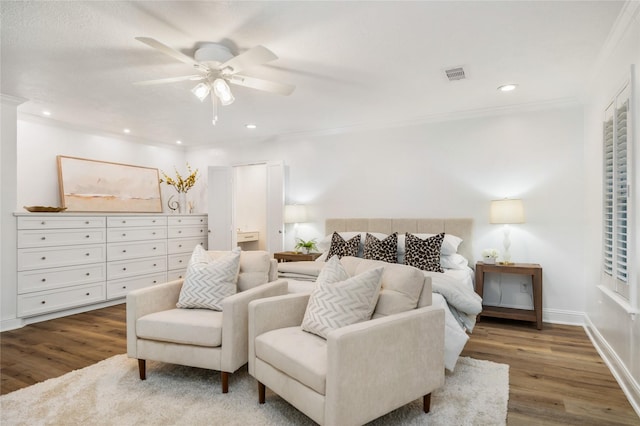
(100, 186)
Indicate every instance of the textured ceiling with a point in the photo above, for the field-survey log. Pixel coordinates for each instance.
(354, 63)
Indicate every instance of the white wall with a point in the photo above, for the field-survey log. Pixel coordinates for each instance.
(452, 169)
(39, 143)
(615, 331)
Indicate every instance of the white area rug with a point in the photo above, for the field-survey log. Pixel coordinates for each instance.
(110, 393)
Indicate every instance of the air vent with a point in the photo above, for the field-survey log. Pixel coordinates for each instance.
(455, 74)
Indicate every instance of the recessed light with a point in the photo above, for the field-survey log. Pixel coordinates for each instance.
(47, 113)
(251, 126)
(127, 131)
(507, 87)
(179, 142)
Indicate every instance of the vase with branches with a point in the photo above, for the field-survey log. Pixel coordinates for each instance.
(182, 185)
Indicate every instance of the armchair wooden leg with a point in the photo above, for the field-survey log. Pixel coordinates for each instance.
(225, 381)
(426, 403)
(261, 392)
(142, 368)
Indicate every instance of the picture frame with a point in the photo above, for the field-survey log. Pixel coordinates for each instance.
(99, 186)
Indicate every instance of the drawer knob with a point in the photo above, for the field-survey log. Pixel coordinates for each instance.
(179, 220)
(124, 221)
(154, 281)
(44, 258)
(201, 231)
(88, 273)
(86, 236)
(179, 232)
(43, 302)
(86, 222)
(124, 251)
(43, 238)
(44, 280)
(179, 245)
(155, 265)
(154, 248)
(124, 269)
(153, 221)
(43, 223)
(124, 287)
(153, 233)
(180, 261)
(87, 254)
(88, 294)
(124, 235)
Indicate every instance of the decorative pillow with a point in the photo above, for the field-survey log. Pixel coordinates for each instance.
(385, 250)
(424, 254)
(449, 245)
(340, 247)
(208, 281)
(325, 243)
(333, 305)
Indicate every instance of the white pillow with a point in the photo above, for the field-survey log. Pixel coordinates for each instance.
(454, 261)
(208, 281)
(335, 304)
(449, 245)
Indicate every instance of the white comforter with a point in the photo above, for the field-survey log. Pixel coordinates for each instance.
(452, 290)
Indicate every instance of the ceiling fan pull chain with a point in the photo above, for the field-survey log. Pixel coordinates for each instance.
(214, 100)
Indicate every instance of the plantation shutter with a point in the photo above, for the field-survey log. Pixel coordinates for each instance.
(616, 193)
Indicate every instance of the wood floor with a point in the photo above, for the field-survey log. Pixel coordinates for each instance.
(556, 377)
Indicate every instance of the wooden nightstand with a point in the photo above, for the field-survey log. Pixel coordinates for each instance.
(292, 256)
(532, 269)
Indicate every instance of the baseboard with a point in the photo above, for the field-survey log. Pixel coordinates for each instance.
(558, 316)
(15, 323)
(629, 385)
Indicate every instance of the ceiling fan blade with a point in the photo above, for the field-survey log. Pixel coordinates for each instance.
(169, 80)
(259, 84)
(170, 51)
(255, 56)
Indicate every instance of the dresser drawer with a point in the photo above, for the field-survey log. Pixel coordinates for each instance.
(122, 251)
(60, 256)
(47, 279)
(187, 231)
(187, 220)
(135, 234)
(120, 288)
(178, 261)
(176, 274)
(55, 300)
(36, 238)
(129, 221)
(60, 221)
(129, 268)
(185, 245)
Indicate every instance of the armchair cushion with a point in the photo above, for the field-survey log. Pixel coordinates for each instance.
(302, 355)
(208, 281)
(333, 305)
(198, 327)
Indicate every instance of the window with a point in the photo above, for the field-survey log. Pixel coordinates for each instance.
(616, 171)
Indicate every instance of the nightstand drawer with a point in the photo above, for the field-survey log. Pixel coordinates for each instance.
(244, 237)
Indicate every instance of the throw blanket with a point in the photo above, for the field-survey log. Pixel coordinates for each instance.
(456, 286)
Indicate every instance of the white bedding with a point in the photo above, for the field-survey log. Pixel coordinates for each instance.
(452, 290)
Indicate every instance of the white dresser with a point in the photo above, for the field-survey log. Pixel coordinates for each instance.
(68, 260)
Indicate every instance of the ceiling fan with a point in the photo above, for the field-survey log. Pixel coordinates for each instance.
(216, 68)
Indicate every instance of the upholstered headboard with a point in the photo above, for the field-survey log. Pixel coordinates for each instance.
(462, 228)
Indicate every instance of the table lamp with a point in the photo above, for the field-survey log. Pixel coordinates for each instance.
(506, 212)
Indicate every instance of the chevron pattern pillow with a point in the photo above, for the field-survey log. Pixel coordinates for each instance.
(337, 302)
(209, 281)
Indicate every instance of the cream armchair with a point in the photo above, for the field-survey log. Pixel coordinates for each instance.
(359, 373)
(157, 330)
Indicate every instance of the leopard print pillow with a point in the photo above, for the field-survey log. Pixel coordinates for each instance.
(340, 247)
(385, 250)
(424, 254)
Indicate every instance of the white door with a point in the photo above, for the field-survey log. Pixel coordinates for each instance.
(275, 206)
(220, 207)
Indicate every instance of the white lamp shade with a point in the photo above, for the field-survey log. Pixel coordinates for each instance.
(506, 211)
(295, 213)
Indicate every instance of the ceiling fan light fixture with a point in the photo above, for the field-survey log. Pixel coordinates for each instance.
(201, 91)
(223, 92)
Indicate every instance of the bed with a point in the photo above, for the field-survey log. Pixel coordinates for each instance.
(453, 289)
